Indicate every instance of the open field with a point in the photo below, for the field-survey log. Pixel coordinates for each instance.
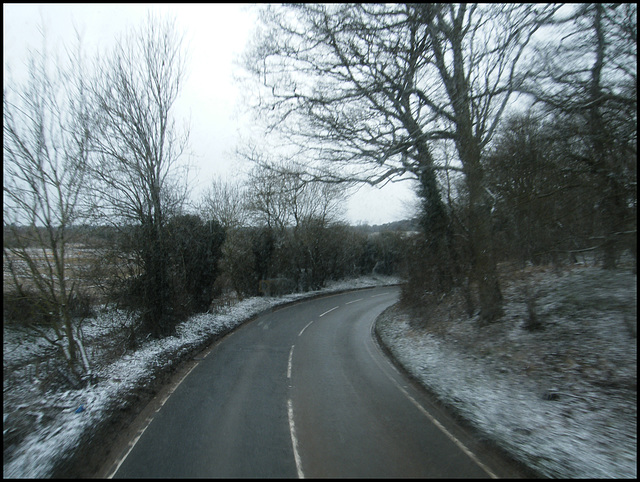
(85, 268)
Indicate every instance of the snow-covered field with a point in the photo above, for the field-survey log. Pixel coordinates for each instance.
(563, 399)
(42, 424)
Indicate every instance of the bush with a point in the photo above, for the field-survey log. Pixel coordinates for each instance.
(26, 308)
(81, 305)
(195, 248)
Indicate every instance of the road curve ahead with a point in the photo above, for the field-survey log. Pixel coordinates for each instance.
(303, 391)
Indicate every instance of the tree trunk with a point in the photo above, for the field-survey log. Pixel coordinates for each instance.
(468, 145)
(484, 269)
(484, 264)
(70, 340)
(437, 230)
(613, 203)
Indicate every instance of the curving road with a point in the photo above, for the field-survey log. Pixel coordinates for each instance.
(304, 391)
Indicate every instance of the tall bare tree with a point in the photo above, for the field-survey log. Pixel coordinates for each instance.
(585, 75)
(370, 89)
(139, 170)
(46, 129)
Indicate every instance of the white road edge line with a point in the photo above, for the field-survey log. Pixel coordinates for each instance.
(462, 447)
(302, 331)
(148, 422)
(131, 445)
(329, 311)
(294, 440)
(424, 411)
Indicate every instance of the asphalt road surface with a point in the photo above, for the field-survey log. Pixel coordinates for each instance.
(304, 391)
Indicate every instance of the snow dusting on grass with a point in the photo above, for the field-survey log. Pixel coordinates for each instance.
(42, 424)
(562, 398)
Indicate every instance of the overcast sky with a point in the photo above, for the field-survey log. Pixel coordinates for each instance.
(214, 36)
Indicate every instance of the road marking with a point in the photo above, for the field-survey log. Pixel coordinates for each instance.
(170, 392)
(289, 363)
(131, 445)
(302, 331)
(294, 440)
(292, 427)
(359, 299)
(329, 311)
(462, 447)
(380, 294)
(424, 411)
(148, 421)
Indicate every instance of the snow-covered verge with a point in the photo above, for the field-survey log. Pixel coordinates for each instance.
(561, 399)
(43, 423)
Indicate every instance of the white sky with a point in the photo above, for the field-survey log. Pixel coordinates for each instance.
(214, 36)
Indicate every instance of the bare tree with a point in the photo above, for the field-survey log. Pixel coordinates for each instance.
(46, 129)
(280, 197)
(140, 178)
(225, 201)
(544, 208)
(298, 215)
(366, 91)
(585, 76)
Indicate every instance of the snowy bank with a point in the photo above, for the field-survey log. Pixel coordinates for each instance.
(563, 400)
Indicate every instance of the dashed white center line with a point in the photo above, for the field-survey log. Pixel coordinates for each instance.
(294, 440)
(302, 331)
(349, 302)
(289, 363)
(329, 311)
(292, 427)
